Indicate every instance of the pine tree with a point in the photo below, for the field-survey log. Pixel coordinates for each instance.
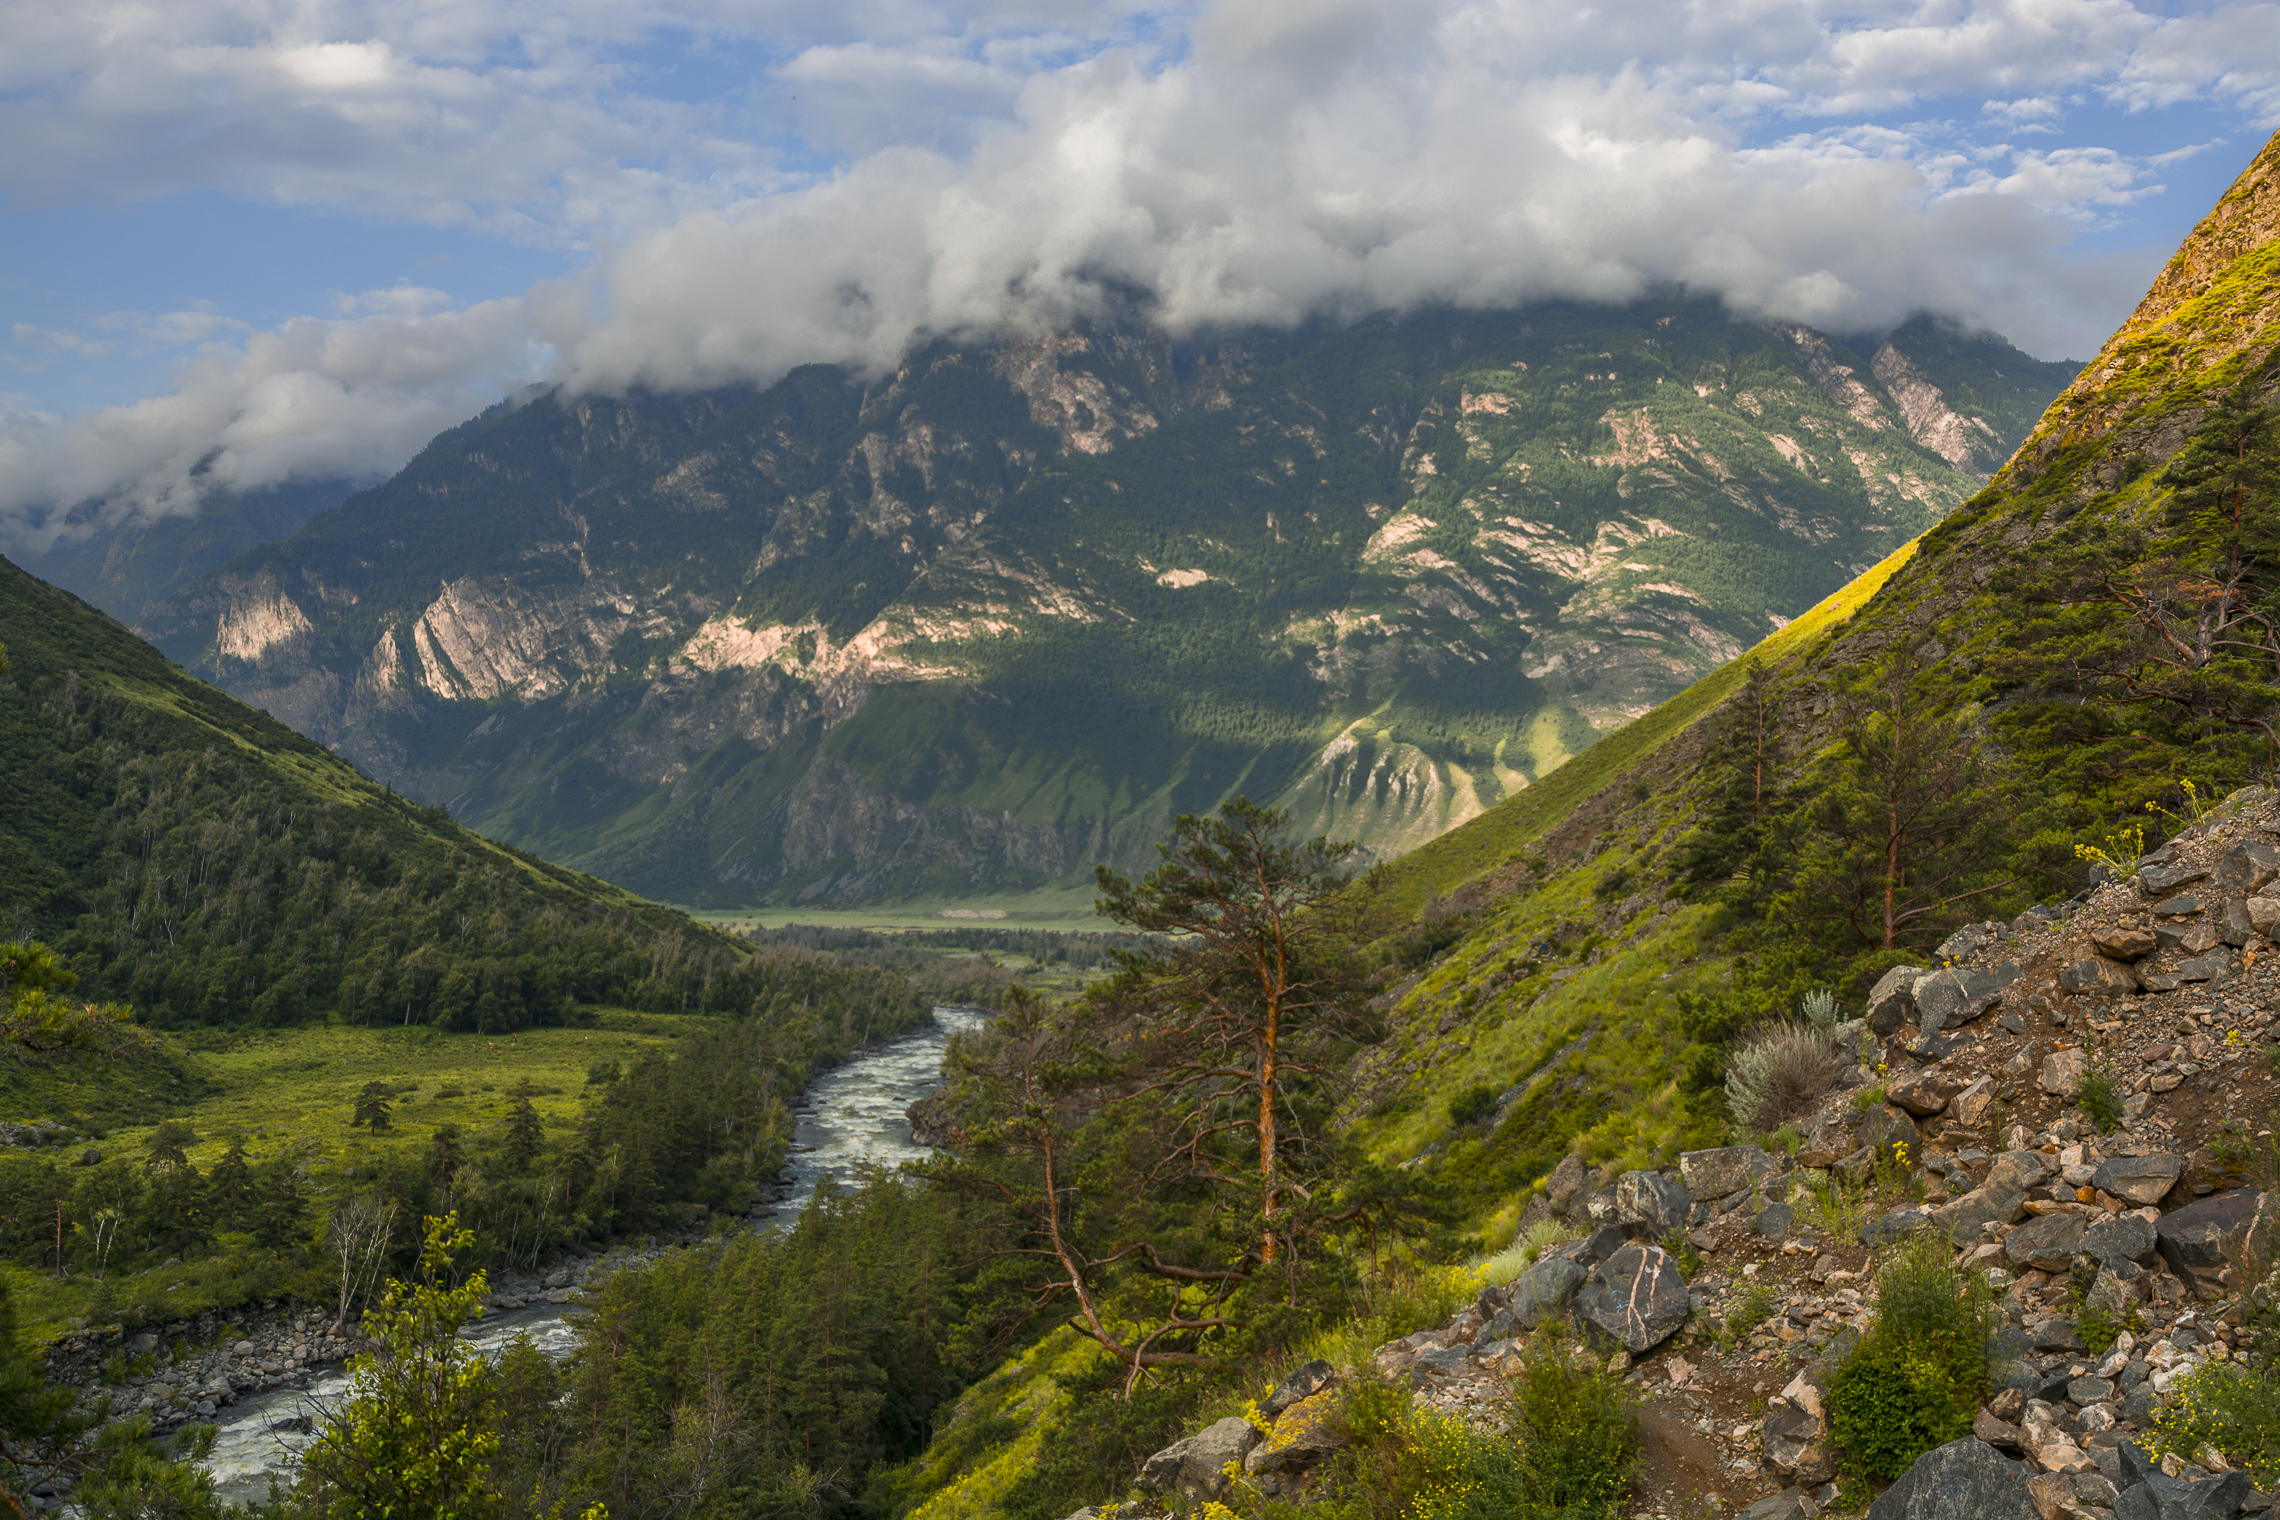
(526, 1132)
(1743, 787)
(229, 1190)
(371, 1108)
(281, 1205)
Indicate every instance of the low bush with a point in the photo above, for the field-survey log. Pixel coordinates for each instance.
(2100, 1099)
(1779, 1074)
(1472, 1105)
(1578, 1428)
(1920, 1372)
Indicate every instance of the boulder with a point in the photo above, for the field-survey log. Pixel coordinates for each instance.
(2124, 1237)
(1196, 1469)
(1893, 1224)
(2193, 939)
(1303, 1435)
(2047, 1243)
(2099, 976)
(2140, 1180)
(1964, 1480)
(2216, 966)
(1795, 1435)
(1540, 1293)
(1637, 1297)
(1773, 1221)
(2245, 868)
(1967, 941)
(2000, 1198)
(1885, 1126)
(1942, 996)
(2200, 1238)
(2157, 1496)
(1305, 1383)
(1656, 1200)
(2264, 915)
(1924, 1091)
(1728, 1169)
(1566, 1181)
(2124, 942)
(1970, 1105)
(1892, 1001)
(2234, 926)
(2160, 879)
(2063, 1071)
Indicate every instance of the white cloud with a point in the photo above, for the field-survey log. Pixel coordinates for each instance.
(995, 168)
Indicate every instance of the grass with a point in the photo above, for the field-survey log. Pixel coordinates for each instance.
(1500, 834)
(295, 1089)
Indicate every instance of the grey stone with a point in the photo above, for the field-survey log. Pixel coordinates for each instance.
(2246, 867)
(1998, 1200)
(1774, 1220)
(1195, 1469)
(1966, 942)
(2140, 1405)
(2216, 966)
(2085, 1391)
(1566, 1181)
(2187, 906)
(1794, 1434)
(2097, 976)
(1306, 1382)
(2047, 1243)
(1728, 1169)
(1599, 1205)
(1892, 1001)
(1885, 1126)
(1637, 1297)
(2202, 1236)
(1782, 1506)
(2141, 1180)
(2264, 915)
(1543, 1291)
(1892, 1225)
(2158, 1496)
(2056, 1335)
(2063, 1071)
(2234, 925)
(1605, 1242)
(1654, 1199)
(2160, 879)
(1302, 1437)
(1925, 1091)
(1963, 1480)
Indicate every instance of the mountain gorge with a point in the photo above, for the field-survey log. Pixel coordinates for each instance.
(1004, 612)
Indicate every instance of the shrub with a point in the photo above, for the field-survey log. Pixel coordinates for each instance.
(1474, 1103)
(1820, 1008)
(2100, 1099)
(1578, 1429)
(1751, 1310)
(1779, 1074)
(1921, 1370)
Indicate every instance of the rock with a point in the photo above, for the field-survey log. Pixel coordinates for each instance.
(2085, 1391)
(2124, 942)
(2158, 1496)
(1542, 1292)
(2099, 976)
(1795, 1434)
(1997, 1432)
(2047, 1244)
(1306, 1382)
(2245, 868)
(1653, 1199)
(2124, 1237)
(1726, 1170)
(1302, 1436)
(2160, 879)
(1195, 1469)
(1782, 1506)
(1998, 1199)
(2264, 915)
(1963, 1480)
(2200, 1237)
(2216, 966)
(1637, 1297)
(1967, 942)
(1925, 1091)
(1885, 1126)
(2234, 926)
(1971, 1104)
(1774, 1220)
(2055, 1335)
(1605, 1242)
(90, 1157)
(2063, 1071)
(1892, 1001)
(1566, 1181)
(2141, 1180)
(1893, 1224)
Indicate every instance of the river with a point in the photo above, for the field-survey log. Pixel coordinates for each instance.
(849, 1118)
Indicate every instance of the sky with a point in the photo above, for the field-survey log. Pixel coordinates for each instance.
(250, 241)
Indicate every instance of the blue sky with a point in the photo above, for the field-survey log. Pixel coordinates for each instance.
(247, 240)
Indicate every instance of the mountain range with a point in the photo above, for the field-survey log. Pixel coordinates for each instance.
(971, 626)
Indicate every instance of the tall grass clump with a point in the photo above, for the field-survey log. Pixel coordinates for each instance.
(1778, 1074)
(1922, 1369)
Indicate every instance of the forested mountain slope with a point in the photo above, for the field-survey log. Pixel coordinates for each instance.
(1004, 612)
(2027, 679)
(203, 862)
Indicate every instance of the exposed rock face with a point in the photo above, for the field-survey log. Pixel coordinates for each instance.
(1637, 1297)
(1195, 1470)
(1716, 1173)
(1963, 1480)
